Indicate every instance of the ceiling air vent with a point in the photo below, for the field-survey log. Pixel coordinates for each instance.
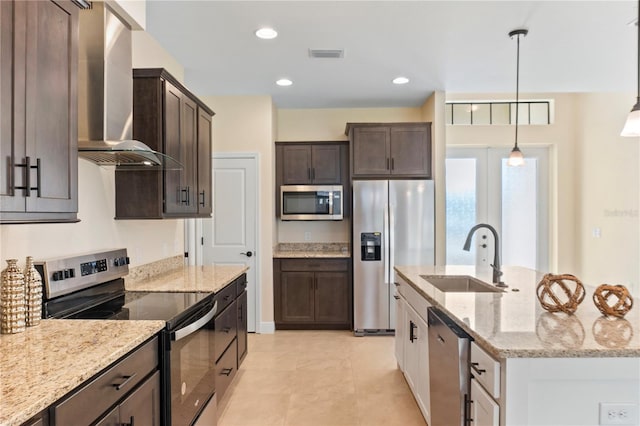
(326, 53)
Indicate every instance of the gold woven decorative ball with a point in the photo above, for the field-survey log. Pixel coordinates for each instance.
(613, 300)
(555, 295)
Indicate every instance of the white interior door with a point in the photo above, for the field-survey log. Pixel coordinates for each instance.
(230, 237)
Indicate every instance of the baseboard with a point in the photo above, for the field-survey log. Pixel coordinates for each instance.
(268, 327)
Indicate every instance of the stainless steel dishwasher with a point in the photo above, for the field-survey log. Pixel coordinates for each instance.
(448, 370)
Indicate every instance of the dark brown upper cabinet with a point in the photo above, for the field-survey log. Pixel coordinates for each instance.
(169, 119)
(390, 150)
(317, 164)
(38, 111)
(313, 163)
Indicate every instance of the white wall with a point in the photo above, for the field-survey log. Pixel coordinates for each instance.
(148, 53)
(608, 198)
(245, 124)
(433, 112)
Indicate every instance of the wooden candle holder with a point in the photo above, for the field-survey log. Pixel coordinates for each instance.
(549, 299)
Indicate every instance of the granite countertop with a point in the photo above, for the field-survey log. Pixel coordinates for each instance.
(311, 250)
(205, 279)
(44, 363)
(513, 324)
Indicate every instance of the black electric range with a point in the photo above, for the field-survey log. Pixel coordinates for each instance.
(91, 286)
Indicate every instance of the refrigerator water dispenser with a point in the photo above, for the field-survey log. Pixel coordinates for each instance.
(370, 246)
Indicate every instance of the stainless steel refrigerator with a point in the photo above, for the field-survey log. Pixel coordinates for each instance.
(393, 224)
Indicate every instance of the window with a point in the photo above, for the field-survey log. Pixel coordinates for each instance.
(490, 113)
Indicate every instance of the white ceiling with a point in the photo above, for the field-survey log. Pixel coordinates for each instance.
(455, 46)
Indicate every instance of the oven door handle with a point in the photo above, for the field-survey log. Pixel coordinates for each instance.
(195, 326)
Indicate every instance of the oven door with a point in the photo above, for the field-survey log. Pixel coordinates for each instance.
(191, 364)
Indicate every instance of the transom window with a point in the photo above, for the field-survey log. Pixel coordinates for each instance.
(489, 113)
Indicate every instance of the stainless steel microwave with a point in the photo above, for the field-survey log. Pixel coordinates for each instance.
(311, 202)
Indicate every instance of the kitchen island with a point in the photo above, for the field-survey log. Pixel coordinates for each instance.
(551, 369)
(46, 362)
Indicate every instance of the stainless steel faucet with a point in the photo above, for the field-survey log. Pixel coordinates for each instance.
(497, 273)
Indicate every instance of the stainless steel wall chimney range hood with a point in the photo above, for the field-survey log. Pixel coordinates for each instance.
(105, 95)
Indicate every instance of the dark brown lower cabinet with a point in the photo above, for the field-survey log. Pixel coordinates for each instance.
(140, 408)
(312, 293)
(231, 332)
(127, 392)
(242, 327)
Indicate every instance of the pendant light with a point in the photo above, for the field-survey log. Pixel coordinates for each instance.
(516, 158)
(632, 126)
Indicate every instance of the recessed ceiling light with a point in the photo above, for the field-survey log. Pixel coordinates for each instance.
(284, 82)
(266, 33)
(400, 80)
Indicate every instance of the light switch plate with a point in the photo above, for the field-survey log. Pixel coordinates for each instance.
(619, 414)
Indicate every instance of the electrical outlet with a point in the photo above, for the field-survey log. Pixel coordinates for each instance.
(619, 414)
(307, 235)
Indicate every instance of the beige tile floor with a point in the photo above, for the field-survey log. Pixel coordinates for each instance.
(319, 378)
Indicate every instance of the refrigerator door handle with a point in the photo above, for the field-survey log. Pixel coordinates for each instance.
(385, 243)
(392, 239)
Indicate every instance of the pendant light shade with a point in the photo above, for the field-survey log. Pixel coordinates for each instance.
(632, 126)
(516, 158)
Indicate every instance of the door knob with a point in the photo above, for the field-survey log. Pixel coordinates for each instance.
(483, 245)
(248, 254)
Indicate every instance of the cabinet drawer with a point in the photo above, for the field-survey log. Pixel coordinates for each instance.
(225, 296)
(484, 410)
(241, 284)
(312, 265)
(486, 370)
(89, 402)
(225, 328)
(417, 302)
(226, 368)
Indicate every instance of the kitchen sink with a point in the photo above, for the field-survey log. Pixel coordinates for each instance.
(459, 284)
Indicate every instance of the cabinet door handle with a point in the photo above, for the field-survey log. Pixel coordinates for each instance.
(412, 336)
(38, 176)
(396, 297)
(202, 198)
(27, 176)
(392, 165)
(188, 195)
(131, 422)
(226, 371)
(479, 371)
(184, 199)
(226, 329)
(127, 379)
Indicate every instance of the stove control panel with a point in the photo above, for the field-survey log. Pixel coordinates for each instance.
(93, 267)
(64, 275)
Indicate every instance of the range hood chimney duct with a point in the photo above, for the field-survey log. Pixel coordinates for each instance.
(105, 95)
